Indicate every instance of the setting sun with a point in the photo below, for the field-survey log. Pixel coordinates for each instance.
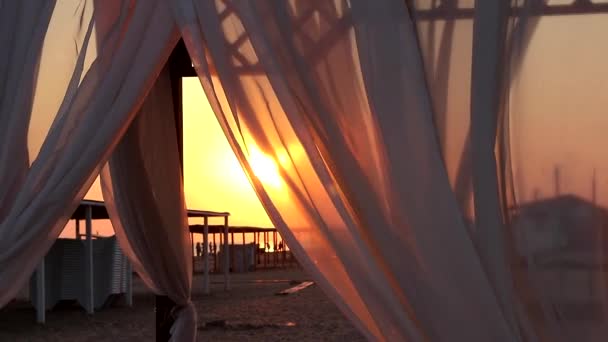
(213, 176)
(265, 168)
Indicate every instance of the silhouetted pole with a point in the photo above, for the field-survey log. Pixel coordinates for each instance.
(214, 254)
(222, 246)
(244, 252)
(192, 252)
(226, 256)
(274, 249)
(266, 250)
(206, 255)
(257, 249)
(283, 253)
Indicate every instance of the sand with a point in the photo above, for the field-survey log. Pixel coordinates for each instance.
(249, 312)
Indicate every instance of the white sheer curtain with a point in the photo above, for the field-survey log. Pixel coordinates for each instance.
(22, 31)
(335, 93)
(72, 75)
(144, 195)
(427, 212)
(399, 138)
(554, 169)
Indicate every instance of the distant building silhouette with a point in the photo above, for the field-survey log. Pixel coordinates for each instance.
(561, 243)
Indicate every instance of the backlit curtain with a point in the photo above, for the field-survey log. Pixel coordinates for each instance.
(399, 133)
(143, 192)
(552, 171)
(335, 93)
(542, 118)
(72, 75)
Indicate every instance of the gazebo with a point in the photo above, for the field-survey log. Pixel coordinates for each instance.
(388, 122)
(91, 210)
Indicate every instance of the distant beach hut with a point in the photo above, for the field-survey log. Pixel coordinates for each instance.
(89, 271)
(562, 240)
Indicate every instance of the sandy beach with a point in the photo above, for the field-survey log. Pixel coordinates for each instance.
(251, 311)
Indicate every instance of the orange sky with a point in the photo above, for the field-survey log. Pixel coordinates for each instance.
(557, 110)
(213, 177)
(213, 180)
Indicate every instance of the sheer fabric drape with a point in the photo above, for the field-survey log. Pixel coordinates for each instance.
(144, 195)
(537, 194)
(550, 142)
(441, 179)
(399, 140)
(338, 99)
(72, 76)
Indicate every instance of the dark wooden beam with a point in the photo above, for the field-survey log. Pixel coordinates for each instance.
(180, 62)
(449, 9)
(179, 65)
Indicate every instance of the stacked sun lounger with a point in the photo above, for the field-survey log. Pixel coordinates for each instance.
(65, 276)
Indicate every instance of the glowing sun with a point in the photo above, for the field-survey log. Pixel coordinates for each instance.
(265, 168)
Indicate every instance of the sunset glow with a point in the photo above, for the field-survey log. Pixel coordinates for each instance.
(547, 113)
(213, 176)
(265, 168)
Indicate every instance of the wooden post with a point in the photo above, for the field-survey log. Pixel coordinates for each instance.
(233, 256)
(192, 245)
(244, 252)
(221, 245)
(206, 256)
(214, 254)
(226, 256)
(282, 251)
(89, 265)
(256, 238)
(77, 233)
(274, 249)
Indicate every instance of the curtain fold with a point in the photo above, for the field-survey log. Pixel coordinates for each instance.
(488, 75)
(440, 178)
(197, 20)
(74, 74)
(334, 93)
(551, 169)
(143, 192)
(22, 29)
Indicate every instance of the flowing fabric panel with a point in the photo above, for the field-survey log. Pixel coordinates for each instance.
(553, 134)
(22, 32)
(143, 192)
(534, 119)
(462, 41)
(446, 45)
(334, 95)
(304, 232)
(73, 75)
(454, 160)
